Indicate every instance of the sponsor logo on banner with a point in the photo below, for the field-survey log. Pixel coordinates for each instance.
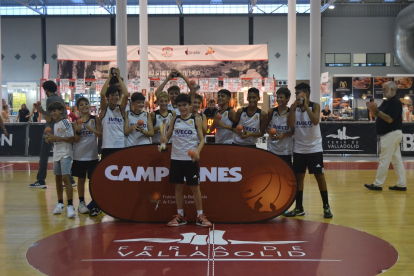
(188, 52)
(5, 139)
(167, 52)
(235, 189)
(210, 51)
(342, 142)
(408, 142)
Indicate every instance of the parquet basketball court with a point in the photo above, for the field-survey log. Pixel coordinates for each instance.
(369, 232)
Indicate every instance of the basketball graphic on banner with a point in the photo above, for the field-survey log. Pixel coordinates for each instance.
(234, 187)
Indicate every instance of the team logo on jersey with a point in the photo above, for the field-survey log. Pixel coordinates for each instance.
(92, 122)
(256, 117)
(190, 122)
(144, 115)
(116, 109)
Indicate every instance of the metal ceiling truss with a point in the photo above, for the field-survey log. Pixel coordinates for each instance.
(179, 5)
(252, 5)
(34, 6)
(107, 5)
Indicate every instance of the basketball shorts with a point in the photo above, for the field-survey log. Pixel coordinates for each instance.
(180, 169)
(314, 162)
(81, 168)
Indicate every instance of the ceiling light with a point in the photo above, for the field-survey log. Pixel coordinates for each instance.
(331, 7)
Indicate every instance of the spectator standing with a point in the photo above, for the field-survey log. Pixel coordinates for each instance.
(24, 114)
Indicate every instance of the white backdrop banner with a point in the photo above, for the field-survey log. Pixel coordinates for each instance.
(194, 61)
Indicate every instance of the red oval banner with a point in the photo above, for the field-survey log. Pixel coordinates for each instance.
(238, 185)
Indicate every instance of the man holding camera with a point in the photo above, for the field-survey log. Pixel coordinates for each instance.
(308, 150)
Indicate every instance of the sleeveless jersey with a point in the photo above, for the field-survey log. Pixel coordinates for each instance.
(87, 147)
(224, 136)
(171, 107)
(284, 146)
(249, 123)
(113, 129)
(136, 137)
(158, 121)
(308, 138)
(184, 137)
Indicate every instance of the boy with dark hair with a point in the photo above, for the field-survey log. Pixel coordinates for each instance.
(50, 88)
(112, 114)
(281, 142)
(307, 150)
(85, 148)
(196, 104)
(253, 120)
(62, 156)
(224, 125)
(211, 109)
(112, 118)
(158, 116)
(174, 90)
(185, 131)
(135, 133)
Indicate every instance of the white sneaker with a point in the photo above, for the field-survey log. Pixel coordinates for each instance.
(60, 208)
(82, 208)
(71, 211)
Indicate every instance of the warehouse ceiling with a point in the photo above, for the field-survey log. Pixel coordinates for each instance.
(343, 7)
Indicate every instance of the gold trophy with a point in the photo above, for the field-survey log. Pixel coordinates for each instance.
(164, 130)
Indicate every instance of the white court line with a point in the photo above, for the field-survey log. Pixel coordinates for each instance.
(6, 166)
(213, 249)
(203, 260)
(208, 254)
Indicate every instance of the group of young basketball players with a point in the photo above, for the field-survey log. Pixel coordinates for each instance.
(292, 131)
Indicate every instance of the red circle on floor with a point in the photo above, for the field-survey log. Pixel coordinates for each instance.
(282, 246)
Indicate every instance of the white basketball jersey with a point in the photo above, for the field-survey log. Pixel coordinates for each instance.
(158, 121)
(284, 146)
(113, 129)
(249, 123)
(136, 138)
(308, 138)
(224, 136)
(61, 149)
(184, 138)
(87, 147)
(171, 107)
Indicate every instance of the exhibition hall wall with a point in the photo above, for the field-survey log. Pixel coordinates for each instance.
(22, 36)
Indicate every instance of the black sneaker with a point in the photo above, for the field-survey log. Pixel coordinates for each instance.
(373, 187)
(396, 188)
(327, 212)
(95, 212)
(38, 185)
(294, 212)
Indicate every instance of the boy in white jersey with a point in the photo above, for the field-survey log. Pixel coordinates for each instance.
(112, 118)
(196, 107)
(138, 134)
(174, 91)
(280, 143)
(253, 120)
(224, 125)
(112, 114)
(307, 150)
(85, 148)
(62, 156)
(159, 115)
(185, 131)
